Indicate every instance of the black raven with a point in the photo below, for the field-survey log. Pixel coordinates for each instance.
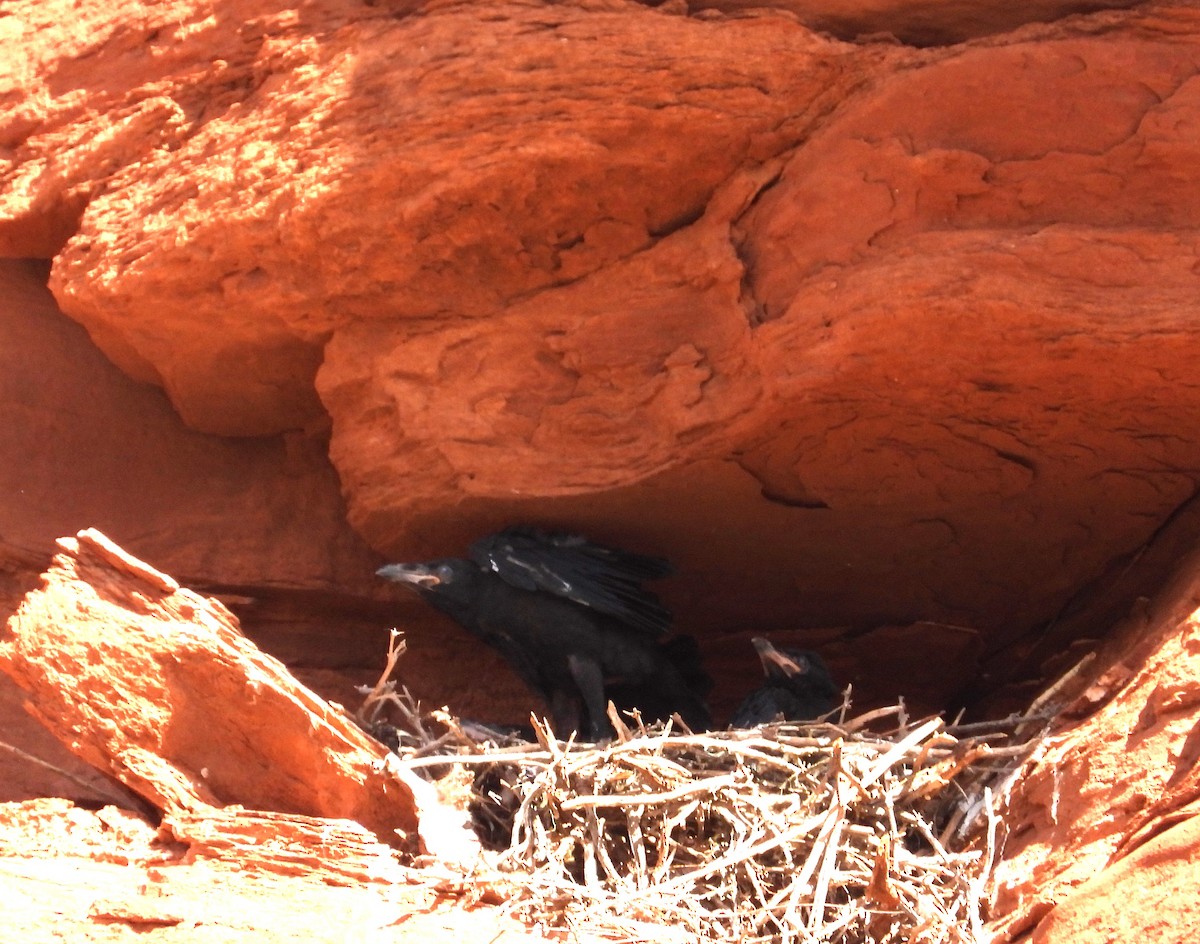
(657, 702)
(574, 621)
(798, 688)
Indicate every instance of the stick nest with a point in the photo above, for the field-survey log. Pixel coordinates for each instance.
(788, 832)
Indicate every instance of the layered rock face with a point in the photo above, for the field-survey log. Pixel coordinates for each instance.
(885, 342)
(869, 333)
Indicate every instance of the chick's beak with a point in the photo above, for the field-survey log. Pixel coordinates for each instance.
(770, 656)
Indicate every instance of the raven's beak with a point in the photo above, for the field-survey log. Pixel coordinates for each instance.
(769, 656)
(416, 575)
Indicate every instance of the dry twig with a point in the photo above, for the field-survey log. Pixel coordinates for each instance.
(817, 832)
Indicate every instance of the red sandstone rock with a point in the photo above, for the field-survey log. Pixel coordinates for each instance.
(157, 686)
(73, 874)
(1101, 840)
(83, 445)
(793, 311)
(1147, 896)
(920, 22)
(876, 335)
(883, 382)
(376, 167)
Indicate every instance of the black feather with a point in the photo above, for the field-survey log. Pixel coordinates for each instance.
(603, 578)
(573, 620)
(798, 687)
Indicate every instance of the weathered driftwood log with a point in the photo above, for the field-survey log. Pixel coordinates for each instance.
(157, 685)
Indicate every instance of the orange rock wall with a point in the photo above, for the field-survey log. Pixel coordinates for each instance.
(1101, 833)
(887, 344)
(858, 333)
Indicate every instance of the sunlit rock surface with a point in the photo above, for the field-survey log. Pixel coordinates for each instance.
(885, 341)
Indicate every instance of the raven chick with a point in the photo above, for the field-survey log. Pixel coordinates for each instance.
(798, 688)
(573, 620)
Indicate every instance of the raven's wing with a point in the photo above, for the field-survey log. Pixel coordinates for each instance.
(566, 565)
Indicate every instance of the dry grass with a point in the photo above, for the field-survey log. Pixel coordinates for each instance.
(871, 828)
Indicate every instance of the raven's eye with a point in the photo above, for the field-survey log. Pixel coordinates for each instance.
(445, 573)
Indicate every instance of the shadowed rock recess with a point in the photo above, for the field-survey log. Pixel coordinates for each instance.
(878, 319)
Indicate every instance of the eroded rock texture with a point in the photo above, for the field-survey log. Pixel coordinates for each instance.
(919, 22)
(83, 445)
(1102, 830)
(887, 346)
(157, 686)
(871, 334)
